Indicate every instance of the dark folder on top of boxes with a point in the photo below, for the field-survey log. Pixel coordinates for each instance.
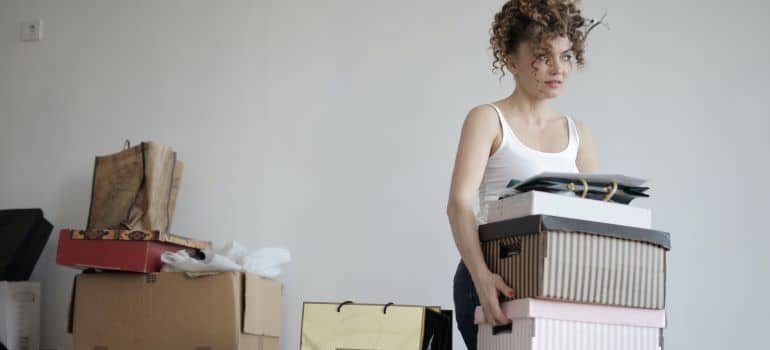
(23, 235)
(123, 301)
(588, 270)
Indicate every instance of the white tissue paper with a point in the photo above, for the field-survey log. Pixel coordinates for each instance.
(233, 256)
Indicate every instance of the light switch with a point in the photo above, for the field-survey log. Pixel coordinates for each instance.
(32, 30)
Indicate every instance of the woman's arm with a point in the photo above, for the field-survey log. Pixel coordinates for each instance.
(586, 157)
(479, 132)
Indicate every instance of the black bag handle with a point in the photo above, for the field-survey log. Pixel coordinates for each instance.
(346, 302)
(339, 308)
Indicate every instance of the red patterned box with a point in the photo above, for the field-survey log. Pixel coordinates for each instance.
(121, 250)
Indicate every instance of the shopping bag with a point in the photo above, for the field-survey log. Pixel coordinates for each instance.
(333, 326)
(135, 189)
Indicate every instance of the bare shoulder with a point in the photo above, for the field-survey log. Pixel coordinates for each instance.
(478, 134)
(482, 116)
(582, 127)
(481, 130)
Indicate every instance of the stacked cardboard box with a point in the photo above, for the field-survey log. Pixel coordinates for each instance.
(130, 305)
(580, 284)
(170, 310)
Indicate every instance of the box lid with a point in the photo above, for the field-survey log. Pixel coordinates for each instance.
(118, 255)
(556, 310)
(540, 223)
(137, 235)
(262, 309)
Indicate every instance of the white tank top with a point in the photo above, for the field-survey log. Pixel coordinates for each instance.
(514, 160)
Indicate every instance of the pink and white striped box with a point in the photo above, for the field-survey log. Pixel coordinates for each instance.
(552, 325)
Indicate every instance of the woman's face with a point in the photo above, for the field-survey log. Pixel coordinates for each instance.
(542, 70)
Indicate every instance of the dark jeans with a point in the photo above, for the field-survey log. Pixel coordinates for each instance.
(466, 300)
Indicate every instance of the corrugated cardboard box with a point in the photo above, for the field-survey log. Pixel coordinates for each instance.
(20, 315)
(541, 324)
(169, 310)
(565, 259)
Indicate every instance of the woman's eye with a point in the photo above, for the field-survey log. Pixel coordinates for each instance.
(567, 57)
(542, 57)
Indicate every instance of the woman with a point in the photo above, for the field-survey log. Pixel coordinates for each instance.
(538, 42)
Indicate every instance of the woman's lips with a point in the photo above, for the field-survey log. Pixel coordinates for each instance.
(553, 83)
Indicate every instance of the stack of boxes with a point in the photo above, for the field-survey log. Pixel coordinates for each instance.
(130, 304)
(592, 278)
(124, 301)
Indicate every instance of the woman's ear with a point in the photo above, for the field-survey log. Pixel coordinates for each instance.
(511, 64)
(512, 68)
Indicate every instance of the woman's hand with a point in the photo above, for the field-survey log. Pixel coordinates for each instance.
(488, 286)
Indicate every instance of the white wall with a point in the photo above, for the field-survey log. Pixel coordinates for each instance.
(330, 128)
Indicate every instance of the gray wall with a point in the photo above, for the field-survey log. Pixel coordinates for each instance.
(330, 128)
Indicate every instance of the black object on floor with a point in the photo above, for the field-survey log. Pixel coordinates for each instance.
(23, 235)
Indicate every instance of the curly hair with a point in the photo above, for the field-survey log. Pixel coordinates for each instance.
(535, 22)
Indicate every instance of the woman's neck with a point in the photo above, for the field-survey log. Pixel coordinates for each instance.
(535, 111)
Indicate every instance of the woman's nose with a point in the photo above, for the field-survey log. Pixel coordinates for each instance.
(558, 67)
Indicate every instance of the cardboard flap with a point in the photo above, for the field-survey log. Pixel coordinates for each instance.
(262, 306)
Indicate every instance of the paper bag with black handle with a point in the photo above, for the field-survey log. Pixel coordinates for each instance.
(347, 325)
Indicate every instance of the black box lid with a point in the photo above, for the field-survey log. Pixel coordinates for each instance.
(539, 223)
